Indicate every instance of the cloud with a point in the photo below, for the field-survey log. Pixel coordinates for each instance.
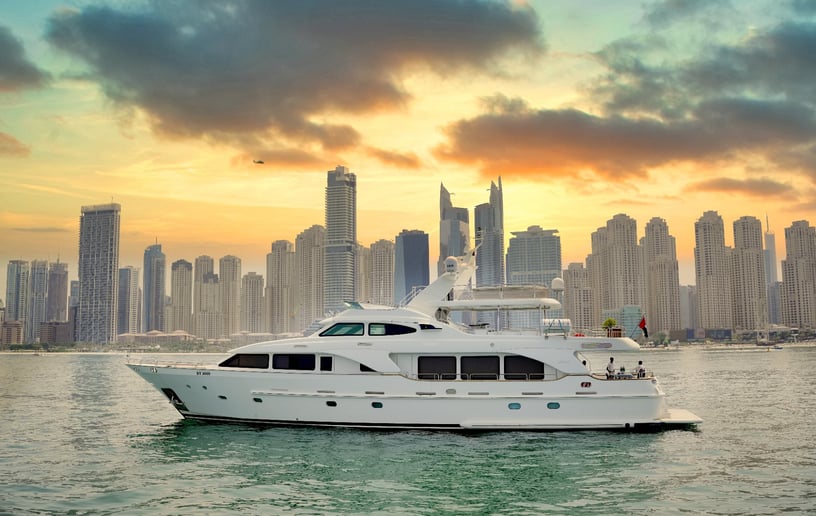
(762, 187)
(16, 72)
(10, 146)
(42, 230)
(276, 70)
(397, 159)
(667, 12)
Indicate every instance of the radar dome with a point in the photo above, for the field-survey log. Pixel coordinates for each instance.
(557, 284)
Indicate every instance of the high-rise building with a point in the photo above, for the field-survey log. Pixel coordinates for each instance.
(181, 296)
(341, 239)
(662, 310)
(229, 277)
(154, 288)
(688, 307)
(799, 276)
(749, 288)
(37, 299)
(578, 299)
(309, 263)
(98, 273)
(489, 220)
(57, 309)
(533, 258)
(410, 263)
(208, 319)
(253, 306)
(382, 272)
(772, 277)
(129, 303)
(18, 275)
(281, 287)
(362, 284)
(712, 265)
(204, 265)
(454, 229)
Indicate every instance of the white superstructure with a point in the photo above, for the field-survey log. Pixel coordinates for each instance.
(409, 367)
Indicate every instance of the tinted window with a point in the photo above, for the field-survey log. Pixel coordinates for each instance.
(293, 361)
(389, 329)
(325, 363)
(480, 368)
(340, 329)
(522, 368)
(255, 361)
(436, 368)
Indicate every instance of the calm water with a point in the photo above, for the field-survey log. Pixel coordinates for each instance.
(83, 434)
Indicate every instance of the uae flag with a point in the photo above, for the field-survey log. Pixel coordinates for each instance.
(642, 326)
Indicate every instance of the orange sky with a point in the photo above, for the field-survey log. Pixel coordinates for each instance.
(663, 109)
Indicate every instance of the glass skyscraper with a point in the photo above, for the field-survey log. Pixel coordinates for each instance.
(341, 239)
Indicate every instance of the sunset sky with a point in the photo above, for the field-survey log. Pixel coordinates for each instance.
(585, 109)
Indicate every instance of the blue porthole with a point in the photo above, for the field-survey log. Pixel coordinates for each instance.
(514, 406)
(376, 404)
(553, 405)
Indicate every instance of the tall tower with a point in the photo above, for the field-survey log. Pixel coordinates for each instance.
(454, 229)
(38, 295)
(578, 298)
(489, 219)
(229, 273)
(18, 274)
(711, 266)
(533, 258)
(57, 309)
(154, 288)
(309, 263)
(662, 277)
(204, 265)
(129, 301)
(253, 318)
(772, 277)
(181, 296)
(341, 239)
(98, 273)
(280, 287)
(750, 308)
(410, 263)
(208, 319)
(799, 276)
(382, 272)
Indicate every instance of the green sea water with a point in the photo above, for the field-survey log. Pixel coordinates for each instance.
(82, 434)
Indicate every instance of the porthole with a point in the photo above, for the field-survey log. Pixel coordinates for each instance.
(257, 400)
(376, 404)
(188, 386)
(514, 406)
(331, 403)
(553, 405)
(222, 396)
(204, 387)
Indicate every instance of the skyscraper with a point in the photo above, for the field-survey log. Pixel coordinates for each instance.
(129, 304)
(253, 306)
(772, 277)
(18, 274)
(208, 319)
(382, 272)
(799, 276)
(229, 276)
(281, 287)
(181, 296)
(309, 263)
(749, 288)
(98, 273)
(489, 220)
(410, 263)
(454, 229)
(341, 239)
(662, 310)
(154, 288)
(57, 309)
(711, 266)
(37, 299)
(533, 258)
(578, 298)
(204, 265)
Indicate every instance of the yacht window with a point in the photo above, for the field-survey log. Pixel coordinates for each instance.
(389, 329)
(300, 362)
(424, 326)
(365, 369)
(480, 368)
(255, 361)
(341, 329)
(325, 363)
(522, 368)
(436, 368)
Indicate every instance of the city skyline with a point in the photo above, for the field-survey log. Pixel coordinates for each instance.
(585, 111)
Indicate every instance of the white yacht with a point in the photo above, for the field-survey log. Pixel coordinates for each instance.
(412, 367)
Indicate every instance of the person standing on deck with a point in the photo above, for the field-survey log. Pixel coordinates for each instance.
(610, 368)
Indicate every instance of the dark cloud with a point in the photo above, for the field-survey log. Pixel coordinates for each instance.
(42, 230)
(397, 159)
(666, 12)
(16, 72)
(803, 6)
(277, 69)
(762, 187)
(11, 146)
